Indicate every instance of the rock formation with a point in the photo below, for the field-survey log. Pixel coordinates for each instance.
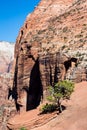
(7, 107)
(6, 56)
(46, 48)
(6, 63)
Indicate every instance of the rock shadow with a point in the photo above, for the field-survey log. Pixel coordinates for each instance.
(35, 92)
(13, 92)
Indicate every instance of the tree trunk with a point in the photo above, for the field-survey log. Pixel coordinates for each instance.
(59, 106)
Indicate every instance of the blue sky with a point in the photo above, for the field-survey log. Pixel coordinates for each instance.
(12, 16)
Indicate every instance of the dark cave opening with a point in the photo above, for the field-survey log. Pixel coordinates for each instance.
(56, 74)
(68, 63)
(35, 92)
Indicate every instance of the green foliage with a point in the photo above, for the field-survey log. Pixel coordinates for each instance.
(47, 108)
(62, 89)
(23, 128)
(78, 54)
(63, 47)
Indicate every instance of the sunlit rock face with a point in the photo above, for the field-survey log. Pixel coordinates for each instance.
(6, 63)
(6, 56)
(46, 49)
(6, 69)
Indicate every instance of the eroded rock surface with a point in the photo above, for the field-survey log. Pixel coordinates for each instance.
(6, 56)
(6, 63)
(46, 49)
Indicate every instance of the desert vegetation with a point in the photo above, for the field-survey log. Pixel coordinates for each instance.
(57, 93)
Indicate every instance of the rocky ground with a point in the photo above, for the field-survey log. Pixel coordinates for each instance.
(73, 118)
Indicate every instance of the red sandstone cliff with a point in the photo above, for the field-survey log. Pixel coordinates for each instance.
(50, 44)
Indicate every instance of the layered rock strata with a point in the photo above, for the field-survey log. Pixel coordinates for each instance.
(39, 57)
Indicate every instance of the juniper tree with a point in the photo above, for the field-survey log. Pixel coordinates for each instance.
(60, 91)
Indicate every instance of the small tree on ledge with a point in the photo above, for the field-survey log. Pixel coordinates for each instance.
(61, 90)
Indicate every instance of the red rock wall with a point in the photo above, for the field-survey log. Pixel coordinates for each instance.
(37, 61)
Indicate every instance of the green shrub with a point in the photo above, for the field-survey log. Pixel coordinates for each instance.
(47, 108)
(23, 128)
(63, 47)
(61, 90)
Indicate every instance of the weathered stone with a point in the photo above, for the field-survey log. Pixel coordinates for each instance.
(39, 57)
